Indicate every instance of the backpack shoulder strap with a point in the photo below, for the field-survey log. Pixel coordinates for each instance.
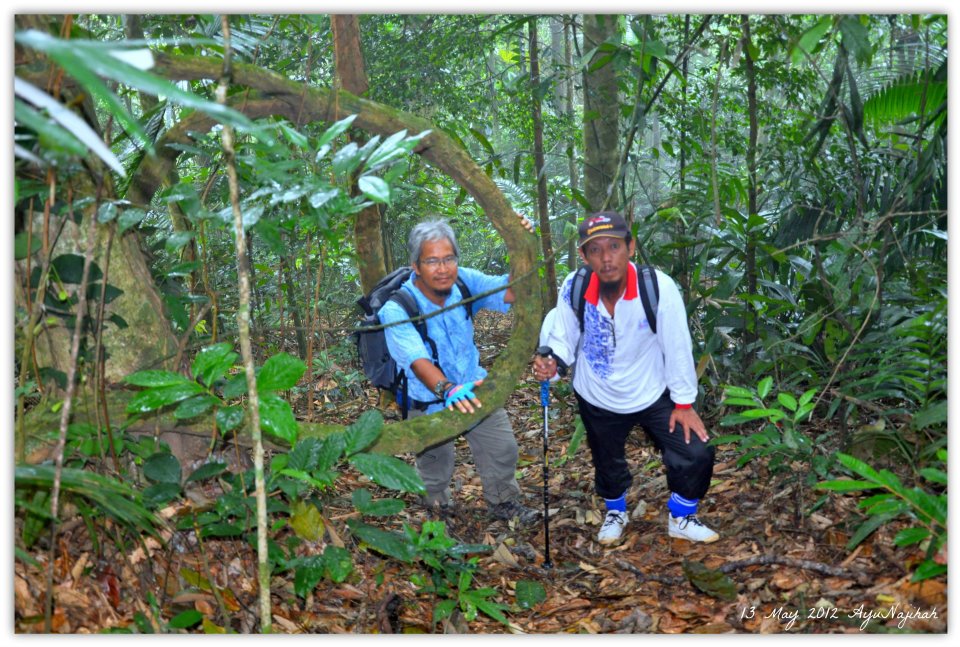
(466, 294)
(578, 290)
(649, 290)
(405, 300)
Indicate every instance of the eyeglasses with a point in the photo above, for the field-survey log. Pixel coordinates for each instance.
(434, 262)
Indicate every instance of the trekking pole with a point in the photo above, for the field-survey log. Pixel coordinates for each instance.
(545, 351)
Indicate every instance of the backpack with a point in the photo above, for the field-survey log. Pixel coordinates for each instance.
(647, 286)
(379, 367)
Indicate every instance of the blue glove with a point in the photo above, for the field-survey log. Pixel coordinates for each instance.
(459, 392)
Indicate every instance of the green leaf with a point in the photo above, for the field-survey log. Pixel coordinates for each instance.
(212, 362)
(492, 609)
(206, 471)
(330, 451)
(336, 129)
(130, 218)
(928, 569)
(810, 39)
(710, 581)
(186, 619)
(20, 246)
(787, 400)
(389, 543)
(304, 454)
(156, 378)
(280, 372)
(934, 475)
(153, 399)
(364, 432)
(195, 406)
(229, 418)
(374, 188)
(277, 418)
(162, 467)
(530, 593)
(69, 269)
(773, 414)
(909, 536)
(337, 563)
(764, 386)
(443, 609)
(72, 122)
(932, 414)
(389, 471)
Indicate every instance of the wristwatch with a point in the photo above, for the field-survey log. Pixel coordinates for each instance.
(441, 387)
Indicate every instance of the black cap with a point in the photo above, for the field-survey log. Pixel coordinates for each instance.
(604, 223)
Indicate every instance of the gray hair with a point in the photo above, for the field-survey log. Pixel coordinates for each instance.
(430, 230)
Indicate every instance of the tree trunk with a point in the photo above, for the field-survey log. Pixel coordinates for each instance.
(569, 41)
(750, 262)
(352, 76)
(601, 116)
(549, 287)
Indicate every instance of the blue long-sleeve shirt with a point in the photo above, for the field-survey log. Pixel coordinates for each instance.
(451, 331)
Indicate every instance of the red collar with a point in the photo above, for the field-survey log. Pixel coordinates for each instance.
(593, 288)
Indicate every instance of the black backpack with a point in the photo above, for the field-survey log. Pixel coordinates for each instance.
(378, 365)
(647, 286)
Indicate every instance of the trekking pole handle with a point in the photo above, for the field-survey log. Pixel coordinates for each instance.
(545, 351)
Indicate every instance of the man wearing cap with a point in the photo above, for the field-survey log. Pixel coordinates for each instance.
(628, 375)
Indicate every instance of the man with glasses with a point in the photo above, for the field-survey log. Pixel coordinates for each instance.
(627, 375)
(434, 259)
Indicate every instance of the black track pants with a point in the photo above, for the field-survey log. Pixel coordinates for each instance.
(689, 467)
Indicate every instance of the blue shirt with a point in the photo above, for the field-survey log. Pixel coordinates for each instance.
(451, 331)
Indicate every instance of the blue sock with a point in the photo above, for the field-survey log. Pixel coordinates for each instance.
(680, 507)
(620, 503)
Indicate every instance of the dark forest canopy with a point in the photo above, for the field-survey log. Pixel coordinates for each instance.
(789, 171)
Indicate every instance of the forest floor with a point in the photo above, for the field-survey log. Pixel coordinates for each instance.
(788, 570)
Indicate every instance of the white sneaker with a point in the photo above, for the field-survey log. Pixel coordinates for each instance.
(690, 528)
(612, 527)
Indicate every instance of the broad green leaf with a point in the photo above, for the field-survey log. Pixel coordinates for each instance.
(277, 418)
(389, 543)
(530, 593)
(156, 378)
(280, 372)
(389, 471)
(384, 507)
(229, 418)
(52, 137)
(130, 218)
(337, 563)
(374, 188)
(153, 399)
(162, 467)
(364, 432)
(346, 160)
(787, 400)
(195, 406)
(773, 414)
(932, 414)
(810, 39)
(69, 269)
(330, 451)
(443, 609)
(304, 454)
(212, 362)
(177, 241)
(20, 246)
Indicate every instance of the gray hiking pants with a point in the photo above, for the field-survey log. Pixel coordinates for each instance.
(495, 455)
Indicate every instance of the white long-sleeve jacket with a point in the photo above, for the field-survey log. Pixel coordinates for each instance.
(621, 365)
